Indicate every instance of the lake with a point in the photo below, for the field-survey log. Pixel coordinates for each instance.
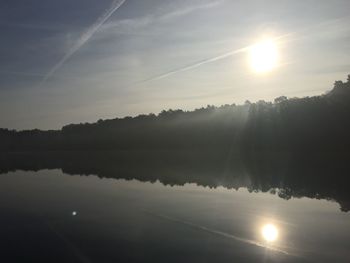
(51, 216)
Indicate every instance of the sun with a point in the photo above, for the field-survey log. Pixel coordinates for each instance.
(269, 232)
(263, 56)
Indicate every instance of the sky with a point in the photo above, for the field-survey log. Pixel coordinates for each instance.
(79, 61)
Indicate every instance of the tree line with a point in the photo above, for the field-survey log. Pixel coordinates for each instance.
(287, 124)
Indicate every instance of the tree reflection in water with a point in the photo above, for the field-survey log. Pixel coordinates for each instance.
(321, 175)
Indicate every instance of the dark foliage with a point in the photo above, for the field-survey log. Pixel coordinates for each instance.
(318, 175)
(298, 146)
(311, 124)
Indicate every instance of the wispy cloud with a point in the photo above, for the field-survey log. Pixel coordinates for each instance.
(127, 26)
(34, 75)
(46, 27)
(116, 4)
(189, 9)
(20, 73)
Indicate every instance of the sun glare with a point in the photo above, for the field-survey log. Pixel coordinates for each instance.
(263, 56)
(269, 232)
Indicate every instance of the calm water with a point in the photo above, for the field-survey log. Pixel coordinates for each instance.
(49, 216)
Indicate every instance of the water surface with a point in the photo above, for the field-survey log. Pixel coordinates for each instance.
(49, 216)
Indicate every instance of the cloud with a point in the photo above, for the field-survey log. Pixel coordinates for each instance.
(46, 27)
(188, 10)
(20, 73)
(128, 26)
(85, 37)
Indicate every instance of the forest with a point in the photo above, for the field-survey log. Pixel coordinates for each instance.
(318, 123)
(293, 147)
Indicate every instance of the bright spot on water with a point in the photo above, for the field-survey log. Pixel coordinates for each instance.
(74, 213)
(269, 232)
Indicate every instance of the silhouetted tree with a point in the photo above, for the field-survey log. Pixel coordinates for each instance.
(305, 124)
(280, 99)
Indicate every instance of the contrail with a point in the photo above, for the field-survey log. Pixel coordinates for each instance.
(116, 4)
(196, 65)
(203, 62)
